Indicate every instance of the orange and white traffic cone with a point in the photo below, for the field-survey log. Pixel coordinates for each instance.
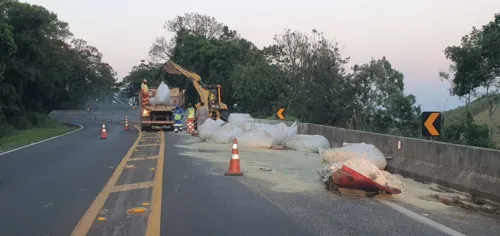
(126, 124)
(104, 134)
(234, 164)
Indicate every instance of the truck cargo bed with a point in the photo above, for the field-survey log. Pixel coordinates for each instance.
(159, 108)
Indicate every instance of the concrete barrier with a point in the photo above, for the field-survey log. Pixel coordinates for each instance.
(470, 169)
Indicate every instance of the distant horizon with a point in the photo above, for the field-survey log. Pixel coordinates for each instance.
(411, 34)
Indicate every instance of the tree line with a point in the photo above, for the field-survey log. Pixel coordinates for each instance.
(43, 67)
(304, 72)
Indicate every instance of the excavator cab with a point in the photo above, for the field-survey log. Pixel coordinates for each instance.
(213, 97)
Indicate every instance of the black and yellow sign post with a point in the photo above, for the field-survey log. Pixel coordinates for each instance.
(431, 124)
(281, 113)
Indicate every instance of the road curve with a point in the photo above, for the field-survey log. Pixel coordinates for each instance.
(46, 188)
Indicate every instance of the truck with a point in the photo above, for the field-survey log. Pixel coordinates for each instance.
(210, 95)
(160, 115)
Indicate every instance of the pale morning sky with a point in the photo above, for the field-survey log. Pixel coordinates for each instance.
(412, 34)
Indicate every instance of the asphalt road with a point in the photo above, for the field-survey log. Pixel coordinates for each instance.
(46, 188)
(200, 200)
(138, 183)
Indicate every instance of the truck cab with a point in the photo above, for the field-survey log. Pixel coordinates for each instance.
(160, 115)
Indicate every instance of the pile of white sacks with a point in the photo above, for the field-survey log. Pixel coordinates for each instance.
(364, 158)
(252, 134)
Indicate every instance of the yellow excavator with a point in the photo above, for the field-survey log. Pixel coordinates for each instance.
(209, 94)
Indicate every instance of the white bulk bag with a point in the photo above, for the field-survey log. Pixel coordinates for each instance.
(306, 143)
(289, 131)
(277, 134)
(355, 151)
(206, 129)
(240, 119)
(255, 139)
(162, 96)
(225, 133)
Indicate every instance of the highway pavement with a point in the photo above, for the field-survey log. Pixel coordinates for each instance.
(140, 183)
(46, 188)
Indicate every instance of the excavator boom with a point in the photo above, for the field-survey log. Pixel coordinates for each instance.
(203, 90)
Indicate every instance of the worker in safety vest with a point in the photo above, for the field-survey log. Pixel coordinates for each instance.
(178, 115)
(145, 92)
(190, 118)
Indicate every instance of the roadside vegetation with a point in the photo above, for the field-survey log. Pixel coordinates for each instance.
(42, 68)
(307, 73)
(42, 128)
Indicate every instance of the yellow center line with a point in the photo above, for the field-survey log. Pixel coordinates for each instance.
(125, 187)
(148, 145)
(88, 218)
(154, 219)
(142, 158)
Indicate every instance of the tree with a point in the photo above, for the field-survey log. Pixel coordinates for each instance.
(194, 24)
(316, 85)
(131, 83)
(212, 59)
(489, 41)
(476, 64)
(257, 87)
(40, 70)
(381, 105)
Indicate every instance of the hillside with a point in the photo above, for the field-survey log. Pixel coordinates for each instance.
(479, 109)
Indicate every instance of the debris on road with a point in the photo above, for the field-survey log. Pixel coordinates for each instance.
(250, 134)
(276, 153)
(361, 174)
(355, 174)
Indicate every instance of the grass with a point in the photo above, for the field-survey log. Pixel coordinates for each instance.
(24, 137)
(483, 118)
(479, 110)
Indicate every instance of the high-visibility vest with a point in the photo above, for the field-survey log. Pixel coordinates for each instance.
(191, 112)
(144, 88)
(178, 116)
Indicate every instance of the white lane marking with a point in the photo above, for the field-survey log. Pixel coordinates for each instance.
(421, 219)
(45, 140)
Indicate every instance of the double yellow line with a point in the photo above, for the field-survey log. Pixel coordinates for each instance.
(154, 223)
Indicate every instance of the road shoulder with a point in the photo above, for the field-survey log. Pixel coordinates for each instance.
(27, 138)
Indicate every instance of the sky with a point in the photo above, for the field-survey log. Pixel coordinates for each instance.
(411, 34)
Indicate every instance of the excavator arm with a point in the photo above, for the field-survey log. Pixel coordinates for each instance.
(203, 91)
(172, 68)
